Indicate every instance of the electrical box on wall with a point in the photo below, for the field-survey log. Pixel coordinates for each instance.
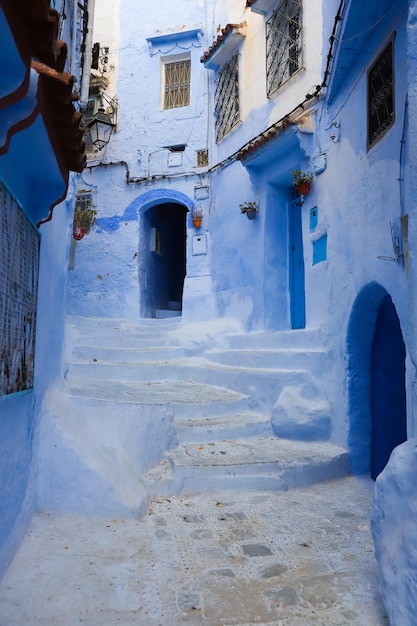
(320, 164)
(201, 192)
(314, 218)
(174, 159)
(199, 245)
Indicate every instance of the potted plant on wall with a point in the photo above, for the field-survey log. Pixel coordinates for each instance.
(250, 209)
(302, 181)
(197, 217)
(84, 219)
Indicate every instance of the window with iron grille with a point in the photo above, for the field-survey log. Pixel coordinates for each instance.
(177, 84)
(19, 269)
(381, 113)
(226, 108)
(283, 44)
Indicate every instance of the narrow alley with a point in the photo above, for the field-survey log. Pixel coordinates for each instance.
(298, 558)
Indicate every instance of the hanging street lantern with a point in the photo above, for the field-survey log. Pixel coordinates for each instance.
(101, 128)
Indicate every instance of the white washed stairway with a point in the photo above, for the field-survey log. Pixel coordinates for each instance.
(154, 408)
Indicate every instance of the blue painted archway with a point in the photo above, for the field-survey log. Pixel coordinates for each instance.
(376, 380)
(162, 261)
(143, 203)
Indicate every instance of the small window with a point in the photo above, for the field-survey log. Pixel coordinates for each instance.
(202, 158)
(283, 44)
(381, 113)
(177, 81)
(226, 109)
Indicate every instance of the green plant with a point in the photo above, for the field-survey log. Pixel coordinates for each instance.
(301, 177)
(197, 214)
(248, 207)
(84, 218)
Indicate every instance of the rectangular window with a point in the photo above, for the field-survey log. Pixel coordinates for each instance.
(283, 43)
(226, 108)
(177, 84)
(19, 268)
(202, 158)
(381, 95)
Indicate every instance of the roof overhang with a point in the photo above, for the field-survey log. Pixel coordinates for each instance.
(225, 46)
(274, 160)
(360, 20)
(40, 135)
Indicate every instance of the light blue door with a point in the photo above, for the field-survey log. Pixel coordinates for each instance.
(296, 265)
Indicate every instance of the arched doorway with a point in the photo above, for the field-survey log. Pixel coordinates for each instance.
(388, 403)
(162, 259)
(376, 380)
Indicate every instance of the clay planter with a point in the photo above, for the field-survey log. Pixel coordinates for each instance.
(251, 214)
(303, 188)
(197, 223)
(78, 232)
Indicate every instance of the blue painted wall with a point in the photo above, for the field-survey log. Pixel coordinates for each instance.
(30, 171)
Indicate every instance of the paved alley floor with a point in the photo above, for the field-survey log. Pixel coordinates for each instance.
(297, 558)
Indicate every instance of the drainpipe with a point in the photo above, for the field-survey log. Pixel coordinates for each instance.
(86, 70)
(410, 196)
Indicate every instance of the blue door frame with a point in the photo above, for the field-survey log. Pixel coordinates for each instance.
(296, 265)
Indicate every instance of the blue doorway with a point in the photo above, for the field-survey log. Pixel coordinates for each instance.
(388, 399)
(296, 265)
(375, 355)
(162, 260)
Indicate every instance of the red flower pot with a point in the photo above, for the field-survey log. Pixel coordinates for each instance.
(78, 232)
(303, 188)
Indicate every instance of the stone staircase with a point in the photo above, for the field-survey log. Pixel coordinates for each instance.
(162, 407)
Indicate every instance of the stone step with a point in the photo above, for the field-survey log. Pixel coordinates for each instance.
(260, 463)
(288, 358)
(202, 429)
(280, 339)
(114, 333)
(84, 324)
(192, 368)
(167, 313)
(182, 399)
(263, 386)
(125, 354)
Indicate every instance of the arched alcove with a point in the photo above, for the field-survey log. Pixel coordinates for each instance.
(376, 380)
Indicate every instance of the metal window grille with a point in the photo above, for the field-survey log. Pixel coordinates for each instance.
(177, 84)
(226, 108)
(202, 158)
(19, 269)
(83, 201)
(381, 95)
(283, 43)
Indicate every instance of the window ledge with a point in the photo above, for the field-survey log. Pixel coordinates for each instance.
(183, 40)
(224, 46)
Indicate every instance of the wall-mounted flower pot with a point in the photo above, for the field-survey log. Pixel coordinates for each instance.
(303, 188)
(197, 222)
(250, 209)
(78, 232)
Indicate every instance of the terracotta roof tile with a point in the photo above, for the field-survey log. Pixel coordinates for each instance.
(261, 140)
(34, 26)
(227, 30)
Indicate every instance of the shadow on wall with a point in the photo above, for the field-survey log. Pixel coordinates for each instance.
(376, 380)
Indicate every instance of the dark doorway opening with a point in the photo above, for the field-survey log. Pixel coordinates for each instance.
(388, 399)
(163, 265)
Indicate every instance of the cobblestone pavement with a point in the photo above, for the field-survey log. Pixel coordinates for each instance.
(297, 558)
